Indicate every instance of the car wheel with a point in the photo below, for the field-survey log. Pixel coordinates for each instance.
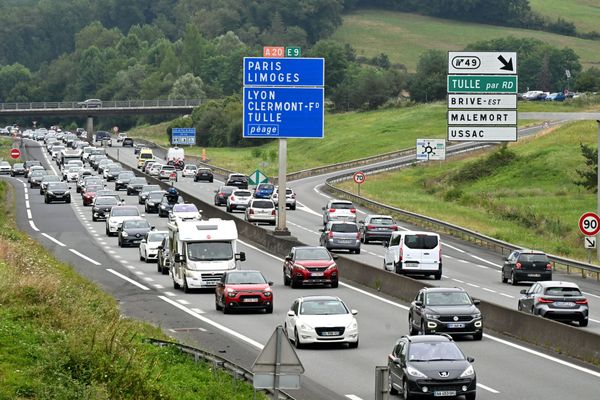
(226, 310)
(94, 218)
(398, 267)
(297, 340)
(186, 288)
(68, 200)
(228, 209)
(107, 232)
(422, 331)
(120, 243)
(357, 251)
(335, 283)
(142, 257)
(217, 306)
(41, 191)
(292, 208)
(175, 284)
(519, 306)
(46, 200)
(478, 335)
(294, 283)
(504, 278)
(411, 326)
(583, 322)
(269, 309)
(391, 388)
(513, 280)
(438, 275)
(147, 260)
(286, 280)
(353, 345)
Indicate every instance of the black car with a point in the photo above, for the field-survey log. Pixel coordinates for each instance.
(447, 310)
(36, 176)
(113, 173)
(430, 366)
(526, 265)
(143, 195)
(102, 206)
(135, 185)
(165, 206)
(132, 231)
(30, 163)
(203, 174)
(103, 138)
(127, 142)
(222, 194)
(57, 191)
(18, 169)
(153, 200)
(46, 180)
(163, 262)
(238, 180)
(123, 179)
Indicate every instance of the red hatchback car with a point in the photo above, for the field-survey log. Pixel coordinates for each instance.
(310, 265)
(243, 290)
(89, 194)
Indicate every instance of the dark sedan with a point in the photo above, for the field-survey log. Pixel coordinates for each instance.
(35, 177)
(122, 179)
(102, 206)
(377, 227)
(113, 173)
(46, 180)
(203, 174)
(132, 231)
(135, 185)
(57, 191)
(222, 194)
(143, 195)
(17, 169)
(165, 206)
(153, 200)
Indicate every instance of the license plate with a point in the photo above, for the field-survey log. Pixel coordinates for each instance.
(456, 325)
(534, 275)
(564, 304)
(443, 393)
(250, 300)
(329, 333)
(316, 274)
(345, 241)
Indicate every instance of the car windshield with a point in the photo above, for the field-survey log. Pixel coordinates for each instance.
(190, 167)
(93, 181)
(106, 201)
(146, 155)
(448, 299)
(138, 181)
(563, 291)
(126, 175)
(57, 186)
(342, 206)
(185, 208)
(51, 178)
(245, 278)
(209, 251)
(93, 188)
(344, 228)
(382, 221)
(263, 204)
(125, 212)
(541, 258)
(142, 224)
(155, 196)
(312, 254)
(38, 172)
(227, 189)
(150, 188)
(434, 351)
(167, 168)
(18, 165)
(422, 242)
(323, 307)
(157, 236)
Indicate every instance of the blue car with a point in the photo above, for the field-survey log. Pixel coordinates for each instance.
(558, 96)
(264, 191)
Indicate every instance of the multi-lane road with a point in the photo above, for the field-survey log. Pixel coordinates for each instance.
(506, 368)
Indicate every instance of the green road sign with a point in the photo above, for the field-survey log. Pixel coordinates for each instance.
(293, 52)
(482, 84)
(257, 177)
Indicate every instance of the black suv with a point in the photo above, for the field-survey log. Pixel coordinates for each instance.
(432, 366)
(526, 265)
(203, 174)
(448, 310)
(238, 180)
(103, 138)
(57, 191)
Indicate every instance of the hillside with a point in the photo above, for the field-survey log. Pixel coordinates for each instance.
(585, 14)
(403, 37)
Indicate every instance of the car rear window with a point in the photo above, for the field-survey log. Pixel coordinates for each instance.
(125, 212)
(541, 258)
(421, 242)
(342, 206)
(344, 228)
(242, 193)
(562, 291)
(262, 204)
(382, 221)
(185, 208)
(265, 187)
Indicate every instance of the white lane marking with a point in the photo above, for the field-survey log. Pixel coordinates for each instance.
(507, 295)
(129, 266)
(212, 323)
(158, 286)
(306, 209)
(84, 257)
(590, 294)
(454, 248)
(27, 204)
(481, 266)
(184, 302)
(32, 224)
(486, 261)
(112, 271)
(472, 284)
(594, 320)
(29, 216)
(489, 389)
(306, 229)
(54, 240)
(26, 196)
(199, 311)
(148, 279)
(117, 256)
(317, 191)
(170, 294)
(140, 273)
(458, 280)
(542, 355)
(112, 251)
(353, 397)
(374, 296)
(489, 290)
(463, 261)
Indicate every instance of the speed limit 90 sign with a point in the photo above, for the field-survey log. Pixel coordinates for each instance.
(589, 224)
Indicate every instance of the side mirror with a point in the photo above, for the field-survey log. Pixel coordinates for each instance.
(270, 283)
(476, 302)
(385, 244)
(323, 208)
(178, 258)
(288, 258)
(321, 230)
(160, 247)
(220, 284)
(290, 313)
(241, 256)
(354, 312)
(396, 361)
(335, 256)
(143, 241)
(361, 221)
(523, 291)
(470, 359)
(419, 303)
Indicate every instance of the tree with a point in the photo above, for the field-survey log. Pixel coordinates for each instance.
(336, 61)
(589, 80)
(589, 175)
(187, 86)
(429, 82)
(10, 77)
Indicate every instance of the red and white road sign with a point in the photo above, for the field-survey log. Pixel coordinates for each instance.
(173, 176)
(15, 153)
(589, 224)
(359, 177)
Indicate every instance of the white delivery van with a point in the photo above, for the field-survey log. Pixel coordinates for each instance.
(200, 251)
(412, 252)
(175, 154)
(67, 155)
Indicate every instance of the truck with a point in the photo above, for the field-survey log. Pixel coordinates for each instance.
(200, 251)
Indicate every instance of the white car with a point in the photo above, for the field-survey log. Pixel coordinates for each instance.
(184, 212)
(261, 210)
(189, 170)
(149, 245)
(71, 174)
(321, 319)
(118, 214)
(5, 167)
(55, 151)
(339, 210)
(121, 136)
(238, 200)
(290, 198)
(166, 171)
(155, 169)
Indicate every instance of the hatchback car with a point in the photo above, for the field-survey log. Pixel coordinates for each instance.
(123, 180)
(238, 180)
(239, 200)
(222, 194)
(144, 192)
(5, 168)
(340, 236)
(377, 227)
(166, 172)
(204, 174)
(46, 180)
(261, 210)
(339, 210)
(135, 185)
(153, 200)
(149, 245)
(447, 310)
(90, 193)
(430, 366)
(132, 231)
(310, 265)
(264, 191)
(119, 214)
(102, 205)
(154, 169)
(127, 142)
(18, 169)
(561, 301)
(321, 319)
(57, 191)
(243, 290)
(526, 265)
(290, 198)
(189, 170)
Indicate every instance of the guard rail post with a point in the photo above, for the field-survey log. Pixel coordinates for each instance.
(381, 382)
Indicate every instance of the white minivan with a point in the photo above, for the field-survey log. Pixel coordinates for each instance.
(412, 252)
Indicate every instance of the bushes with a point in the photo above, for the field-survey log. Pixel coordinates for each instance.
(485, 166)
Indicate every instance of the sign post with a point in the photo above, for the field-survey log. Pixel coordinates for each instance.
(183, 136)
(482, 96)
(15, 153)
(359, 178)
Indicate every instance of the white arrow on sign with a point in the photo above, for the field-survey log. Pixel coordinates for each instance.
(590, 242)
(482, 62)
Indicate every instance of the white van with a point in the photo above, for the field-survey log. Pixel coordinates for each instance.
(200, 251)
(412, 252)
(175, 154)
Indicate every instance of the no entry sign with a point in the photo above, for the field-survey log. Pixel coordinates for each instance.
(15, 153)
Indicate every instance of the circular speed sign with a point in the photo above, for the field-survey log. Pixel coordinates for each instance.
(359, 177)
(589, 224)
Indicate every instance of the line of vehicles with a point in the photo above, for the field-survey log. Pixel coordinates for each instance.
(203, 254)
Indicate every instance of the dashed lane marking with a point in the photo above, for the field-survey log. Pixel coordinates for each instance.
(84, 257)
(61, 244)
(125, 278)
(32, 224)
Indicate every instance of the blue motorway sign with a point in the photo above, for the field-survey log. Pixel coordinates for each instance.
(183, 136)
(260, 71)
(283, 112)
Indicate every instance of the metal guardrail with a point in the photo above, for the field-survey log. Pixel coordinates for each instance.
(497, 245)
(105, 104)
(233, 369)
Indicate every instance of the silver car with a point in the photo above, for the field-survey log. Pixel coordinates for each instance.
(261, 210)
(290, 198)
(238, 200)
(340, 235)
(339, 210)
(561, 301)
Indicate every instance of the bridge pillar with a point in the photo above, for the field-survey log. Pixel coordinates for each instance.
(89, 127)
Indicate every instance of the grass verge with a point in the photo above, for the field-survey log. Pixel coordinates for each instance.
(529, 198)
(63, 338)
(585, 14)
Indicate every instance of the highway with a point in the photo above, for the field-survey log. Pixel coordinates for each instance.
(506, 369)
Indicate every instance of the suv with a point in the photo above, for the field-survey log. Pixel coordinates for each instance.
(526, 265)
(339, 210)
(103, 137)
(430, 365)
(562, 301)
(377, 227)
(448, 310)
(238, 180)
(290, 198)
(412, 252)
(310, 265)
(339, 235)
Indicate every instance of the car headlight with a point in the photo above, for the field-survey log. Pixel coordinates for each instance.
(305, 327)
(50, 193)
(119, 181)
(432, 316)
(163, 206)
(267, 293)
(353, 325)
(415, 372)
(151, 204)
(299, 267)
(468, 372)
(124, 234)
(477, 315)
(332, 266)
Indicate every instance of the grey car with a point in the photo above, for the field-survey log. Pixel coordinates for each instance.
(18, 169)
(377, 227)
(102, 206)
(143, 195)
(338, 235)
(135, 185)
(35, 177)
(132, 231)
(122, 179)
(561, 301)
(47, 179)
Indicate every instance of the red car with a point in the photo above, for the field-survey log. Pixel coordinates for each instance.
(243, 290)
(310, 265)
(90, 194)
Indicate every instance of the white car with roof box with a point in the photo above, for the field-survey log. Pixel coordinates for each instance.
(414, 253)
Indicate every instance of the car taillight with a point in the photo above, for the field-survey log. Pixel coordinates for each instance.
(232, 198)
(370, 227)
(548, 267)
(330, 234)
(353, 210)
(332, 210)
(394, 227)
(543, 300)
(273, 212)
(251, 211)
(221, 194)
(584, 301)
(357, 235)
(518, 265)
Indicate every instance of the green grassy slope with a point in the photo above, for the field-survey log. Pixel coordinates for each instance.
(405, 36)
(585, 14)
